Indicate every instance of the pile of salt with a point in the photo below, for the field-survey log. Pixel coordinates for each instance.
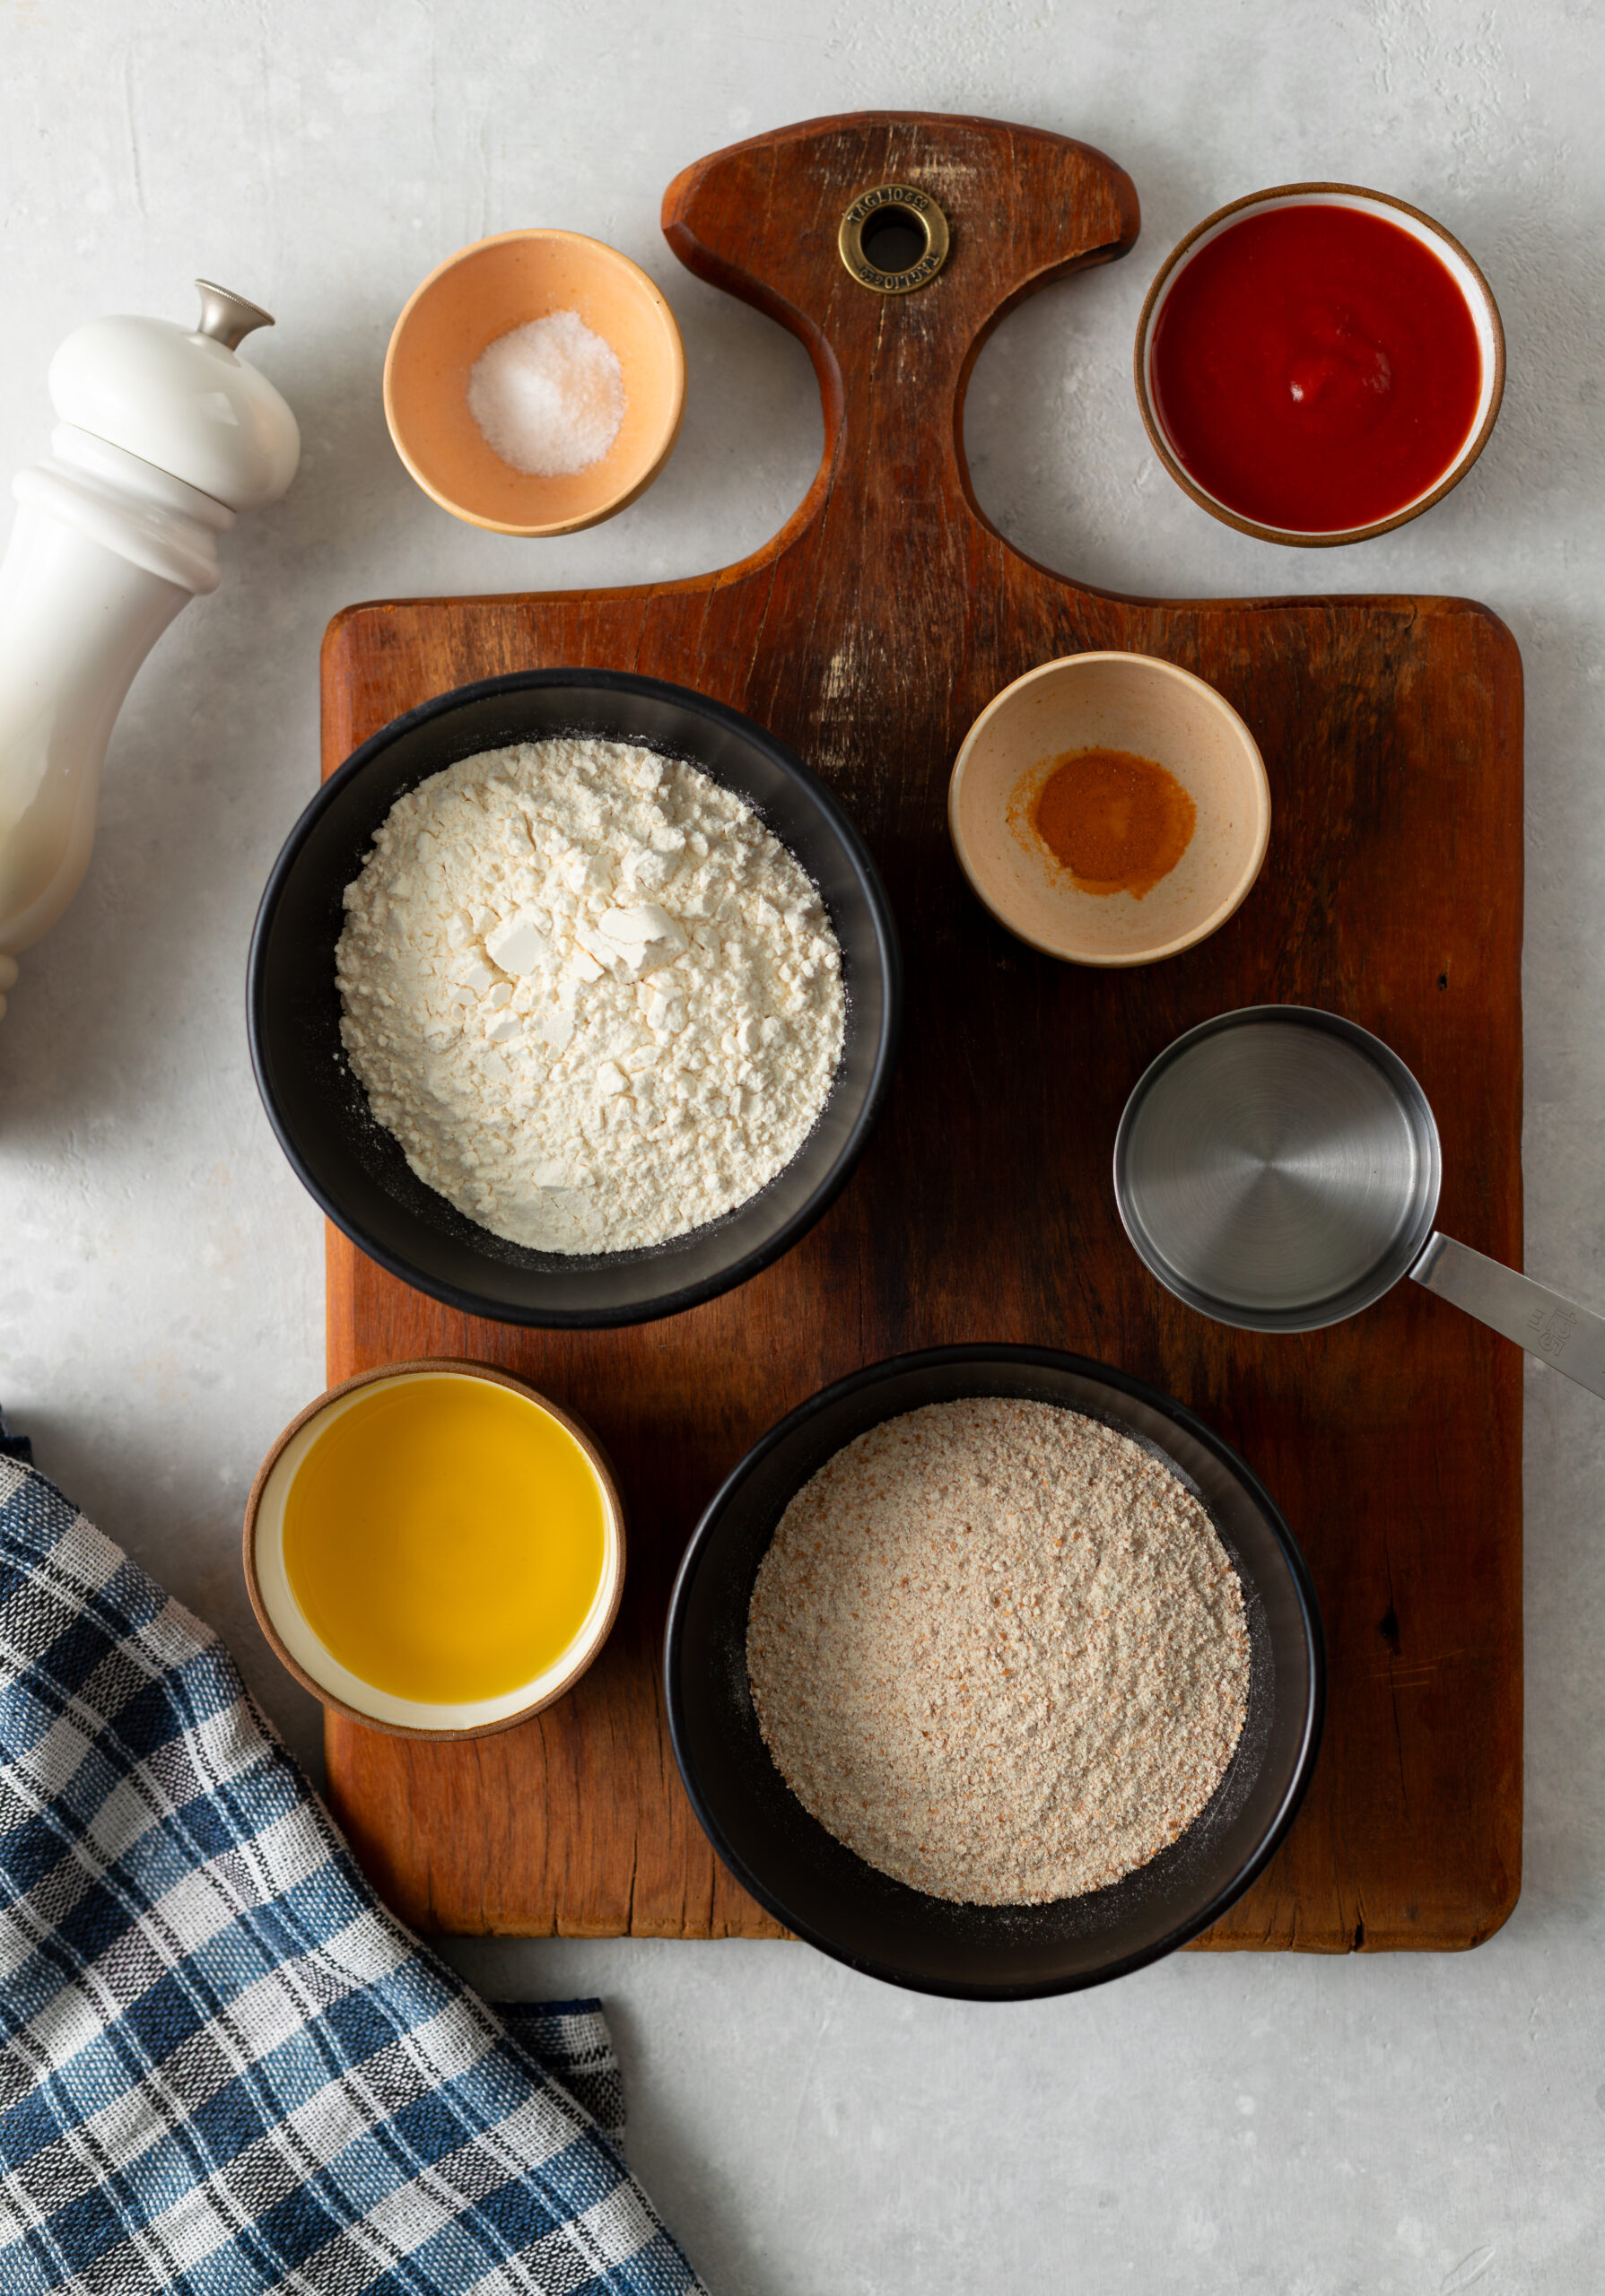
(549, 397)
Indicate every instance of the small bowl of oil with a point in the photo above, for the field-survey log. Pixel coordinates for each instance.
(1110, 809)
(435, 1550)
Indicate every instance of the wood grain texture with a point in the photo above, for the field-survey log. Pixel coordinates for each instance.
(869, 634)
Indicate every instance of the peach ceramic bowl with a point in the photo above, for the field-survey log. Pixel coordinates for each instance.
(471, 300)
(1118, 701)
(296, 1643)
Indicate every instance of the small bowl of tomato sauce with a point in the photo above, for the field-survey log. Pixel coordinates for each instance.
(1318, 363)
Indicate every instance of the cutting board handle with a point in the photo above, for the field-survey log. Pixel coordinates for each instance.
(1022, 206)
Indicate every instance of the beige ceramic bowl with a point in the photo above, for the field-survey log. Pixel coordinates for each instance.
(471, 300)
(1118, 701)
(299, 1648)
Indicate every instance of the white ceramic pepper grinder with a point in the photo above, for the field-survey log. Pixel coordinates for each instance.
(164, 435)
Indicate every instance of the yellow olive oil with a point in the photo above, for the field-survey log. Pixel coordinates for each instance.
(445, 1538)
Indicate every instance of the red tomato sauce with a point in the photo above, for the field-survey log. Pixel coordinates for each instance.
(1315, 368)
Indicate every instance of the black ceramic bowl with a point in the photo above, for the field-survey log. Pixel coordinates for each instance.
(824, 1891)
(356, 1169)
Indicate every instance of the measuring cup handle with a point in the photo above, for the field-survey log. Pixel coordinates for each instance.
(1570, 1337)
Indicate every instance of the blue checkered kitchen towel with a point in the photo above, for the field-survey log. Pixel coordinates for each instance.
(224, 2067)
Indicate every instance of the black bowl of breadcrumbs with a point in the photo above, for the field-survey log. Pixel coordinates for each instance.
(994, 1673)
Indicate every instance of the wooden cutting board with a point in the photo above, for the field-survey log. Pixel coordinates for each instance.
(869, 634)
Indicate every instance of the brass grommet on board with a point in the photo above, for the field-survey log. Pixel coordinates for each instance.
(872, 216)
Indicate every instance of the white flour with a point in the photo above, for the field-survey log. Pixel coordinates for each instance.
(595, 1000)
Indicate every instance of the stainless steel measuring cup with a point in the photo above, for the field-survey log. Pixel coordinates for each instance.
(1279, 1169)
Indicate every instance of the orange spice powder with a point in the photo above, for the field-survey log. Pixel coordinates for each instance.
(1116, 822)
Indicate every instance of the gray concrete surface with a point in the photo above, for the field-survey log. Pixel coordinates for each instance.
(1295, 2127)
